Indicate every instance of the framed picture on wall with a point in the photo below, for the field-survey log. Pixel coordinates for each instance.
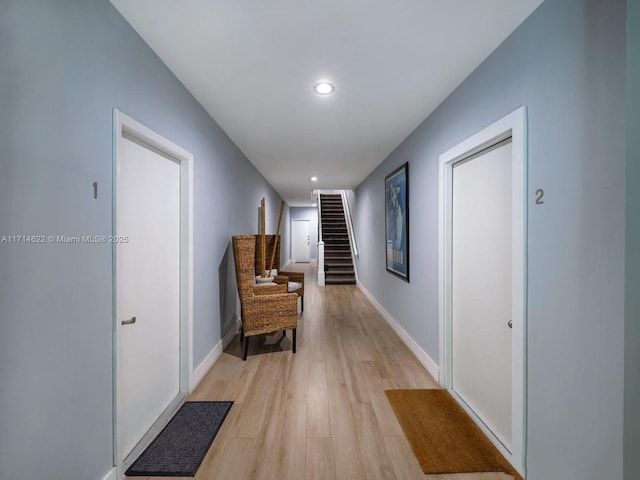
(396, 186)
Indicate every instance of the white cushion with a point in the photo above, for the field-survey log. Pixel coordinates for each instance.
(272, 273)
(264, 283)
(293, 286)
(258, 279)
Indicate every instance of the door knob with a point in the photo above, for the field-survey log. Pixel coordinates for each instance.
(510, 323)
(132, 320)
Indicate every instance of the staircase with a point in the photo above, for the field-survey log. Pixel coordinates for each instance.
(338, 262)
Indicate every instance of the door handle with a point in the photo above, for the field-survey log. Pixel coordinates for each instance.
(131, 321)
(509, 323)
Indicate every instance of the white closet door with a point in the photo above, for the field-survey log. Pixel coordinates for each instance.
(481, 294)
(300, 239)
(148, 288)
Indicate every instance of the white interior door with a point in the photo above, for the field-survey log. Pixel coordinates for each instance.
(482, 287)
(148, 288)
(300, 250)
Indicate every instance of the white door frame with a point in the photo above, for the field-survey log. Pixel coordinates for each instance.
(512, 125)
(122, 124)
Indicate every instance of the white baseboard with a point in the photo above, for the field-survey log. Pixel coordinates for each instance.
(202, 369)
(111, 475)
(226, 339)
(422, 356)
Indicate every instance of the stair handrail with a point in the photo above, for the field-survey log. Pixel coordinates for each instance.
(350, 229)
(319, 219)
(321, 274)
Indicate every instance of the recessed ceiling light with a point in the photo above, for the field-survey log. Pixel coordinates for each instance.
(324, 88)
(314, 179)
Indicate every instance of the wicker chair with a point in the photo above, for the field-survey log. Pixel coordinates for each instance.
(264, 308)
(283, 277)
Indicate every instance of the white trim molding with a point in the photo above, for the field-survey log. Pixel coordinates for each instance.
(111, 474)
(321, 274)
(202, 369)
(423, 357)
(512, 125)
(211, 358)
(233, 331)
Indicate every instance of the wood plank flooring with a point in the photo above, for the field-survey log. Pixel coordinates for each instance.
(321, 413)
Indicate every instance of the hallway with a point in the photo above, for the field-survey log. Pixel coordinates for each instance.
(321, 413)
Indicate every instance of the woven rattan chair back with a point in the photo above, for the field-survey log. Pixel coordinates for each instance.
(244, 247)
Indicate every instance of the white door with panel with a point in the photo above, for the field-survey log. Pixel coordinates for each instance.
(148, 288)
(482, 287)
(300, 240)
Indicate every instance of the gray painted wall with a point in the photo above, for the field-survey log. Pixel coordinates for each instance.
(632, 286)
(311, 214)
(566, 63)
(63, 67)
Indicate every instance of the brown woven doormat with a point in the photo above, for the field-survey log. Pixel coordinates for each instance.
(442, 436)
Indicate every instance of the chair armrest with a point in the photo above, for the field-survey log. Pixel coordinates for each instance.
(274, 305)
(281, 279)
(269, 289)
(294, 276)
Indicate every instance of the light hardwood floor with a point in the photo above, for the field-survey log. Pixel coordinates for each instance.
(321, 413)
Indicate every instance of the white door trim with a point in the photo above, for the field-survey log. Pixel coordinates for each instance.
(122, 124)
(512, 125)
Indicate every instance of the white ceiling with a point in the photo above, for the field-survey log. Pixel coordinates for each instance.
(252, 65)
